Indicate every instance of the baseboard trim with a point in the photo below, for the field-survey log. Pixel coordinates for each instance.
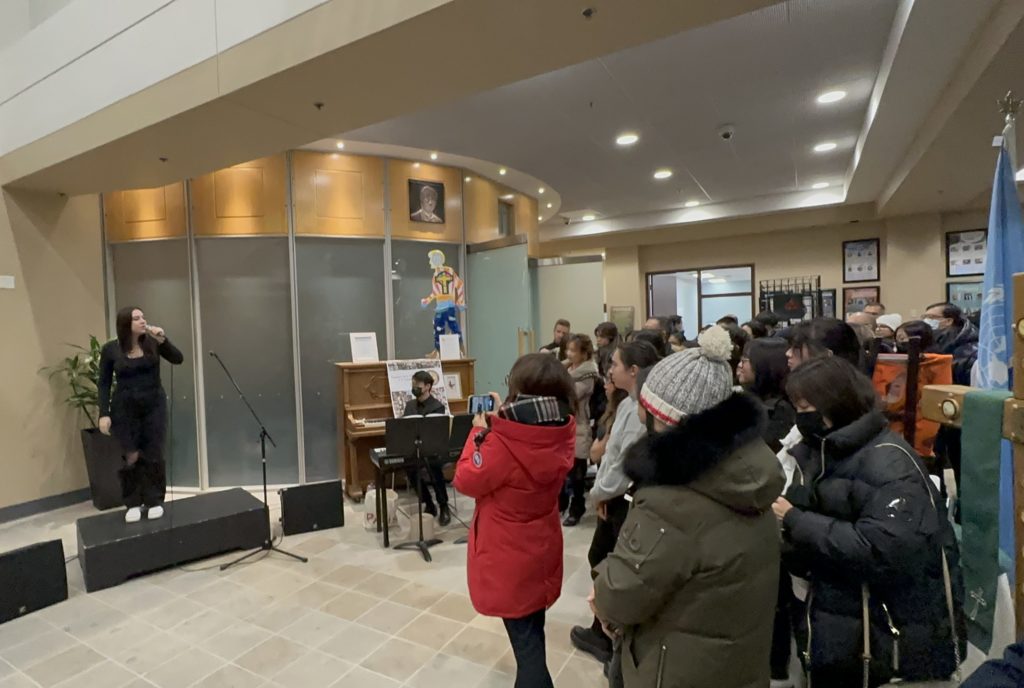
(39, 506)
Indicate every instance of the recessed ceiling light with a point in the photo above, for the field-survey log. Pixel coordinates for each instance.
(820, 185)
(587, 218)
(551, 205)
(539, 218)
(502, 171)
(627, 139)
(831, 97)
(707, 275)
(507, 197)
(433, 156)
(469, 179)
(415, 164)
(663, 173)
(717, 280)
(692, 204)
(825, 147)
(339, 145)
(540, 190)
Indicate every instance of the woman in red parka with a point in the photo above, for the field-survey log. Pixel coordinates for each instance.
(514, 465)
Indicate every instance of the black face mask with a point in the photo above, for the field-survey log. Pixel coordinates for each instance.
(417, 392)
(903, 347)
(812, 426)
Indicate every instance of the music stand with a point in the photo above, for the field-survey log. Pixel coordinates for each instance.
(417, 438)
(462, 425)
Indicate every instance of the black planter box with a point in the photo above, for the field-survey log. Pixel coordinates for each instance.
(102, 462)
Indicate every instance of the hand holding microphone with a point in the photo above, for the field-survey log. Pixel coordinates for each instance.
(156, 333)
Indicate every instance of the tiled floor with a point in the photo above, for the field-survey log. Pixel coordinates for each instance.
(355, 616)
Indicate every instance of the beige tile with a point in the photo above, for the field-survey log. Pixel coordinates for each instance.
(6, 669)
(185, 669)
(430, 630)
(350, 605)
(475, 645)
(187, 582)
(241, 605)
(140, 683)
(277, 616)
(121, 636)
(354, 643)
(315, 545)
(285, 583)
(455, 607)
(556, 636)
(236, 640)
(22, 630)
(148, 652)
(203, 625)
(39, 647)
(315, 670)
(314, 595)
(62, 666)
(250, 574)
(106, 674)
(271, 656)
(389, 617)
(94, 623)
(418, 596)
(381, 585)
(398, 659)
(22, 681)
(507, 663)
(444, 671)
(314, 628)
(580, 672)
(348, 576)
(489, 623)
(362, 678)
(231, 676)
(172, 613)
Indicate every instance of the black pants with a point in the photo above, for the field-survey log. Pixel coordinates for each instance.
(527, 637)
(140, 425)
(574, 496)
(606, 534)
(436, 477)
(782, 630)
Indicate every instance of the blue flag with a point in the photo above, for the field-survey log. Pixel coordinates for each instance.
(1005, 256)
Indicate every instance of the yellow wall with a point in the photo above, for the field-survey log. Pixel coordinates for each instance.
(145, 213)
(482, 197)
(245, 199)
(52, 246)
(339, 195)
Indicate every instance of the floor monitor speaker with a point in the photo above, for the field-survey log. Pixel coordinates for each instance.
(33, 577)
(317, 506)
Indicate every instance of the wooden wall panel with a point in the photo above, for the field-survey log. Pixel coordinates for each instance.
(402, 227)
(526, 223)
(246, 199)
(337, 195)
(137, 214)
(482, 197)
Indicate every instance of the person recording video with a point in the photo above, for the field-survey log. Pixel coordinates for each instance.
(135, 410)
(424, 403)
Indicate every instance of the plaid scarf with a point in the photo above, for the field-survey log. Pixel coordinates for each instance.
(534, 410)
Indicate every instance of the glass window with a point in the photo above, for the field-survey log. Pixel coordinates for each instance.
(246, 318)
(506, 219)
(702, 296)
(340, 290)
(412, 280)
(154, 276)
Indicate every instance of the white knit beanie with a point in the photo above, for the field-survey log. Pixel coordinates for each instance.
(692, 380)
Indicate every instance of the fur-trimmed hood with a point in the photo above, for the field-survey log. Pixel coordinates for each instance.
(718, 453)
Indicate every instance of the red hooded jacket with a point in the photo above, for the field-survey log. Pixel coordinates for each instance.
(515, 542)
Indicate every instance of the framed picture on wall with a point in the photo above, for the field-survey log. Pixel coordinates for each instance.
(860, 261)
(967, 295)
(856, 298)
(965, 252)
(828, 303)
(623, 317)
(426, 201)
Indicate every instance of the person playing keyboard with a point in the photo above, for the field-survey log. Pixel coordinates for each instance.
(423, 403)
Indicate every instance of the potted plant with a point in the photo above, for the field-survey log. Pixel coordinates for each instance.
(81, 373)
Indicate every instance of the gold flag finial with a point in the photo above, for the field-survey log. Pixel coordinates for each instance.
(1009, 106)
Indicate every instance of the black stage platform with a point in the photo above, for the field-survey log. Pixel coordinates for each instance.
(111, 551)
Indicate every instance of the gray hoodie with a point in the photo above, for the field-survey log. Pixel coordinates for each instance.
(611, 480)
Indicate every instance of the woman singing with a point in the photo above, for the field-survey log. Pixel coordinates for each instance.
(137, 413)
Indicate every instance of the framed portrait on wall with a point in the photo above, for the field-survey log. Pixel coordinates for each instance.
(856, 298)
(828, 303)
(967, 295)
(623, 317)
(861, 260)
(426, 201)
(965, 252)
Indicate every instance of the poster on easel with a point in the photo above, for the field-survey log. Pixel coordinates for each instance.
(400, 382)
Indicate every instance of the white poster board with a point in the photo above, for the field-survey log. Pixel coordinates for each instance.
(364, 347)
(400, 382)
(450, 350)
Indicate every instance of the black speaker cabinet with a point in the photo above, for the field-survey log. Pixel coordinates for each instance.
(317, 506)
(33, 578)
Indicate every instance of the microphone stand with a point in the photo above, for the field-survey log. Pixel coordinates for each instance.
(268, 544)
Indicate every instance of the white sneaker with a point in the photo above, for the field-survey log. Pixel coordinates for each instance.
(133, 515)
(154, 512)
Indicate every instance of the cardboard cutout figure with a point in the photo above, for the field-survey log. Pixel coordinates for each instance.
(449, 296)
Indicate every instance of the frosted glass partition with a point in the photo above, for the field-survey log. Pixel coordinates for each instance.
(246, 318)
(715, 307)
(154, 276)
(411, 279)
(340, 290)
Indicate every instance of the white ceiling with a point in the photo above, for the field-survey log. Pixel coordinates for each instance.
(759, 72)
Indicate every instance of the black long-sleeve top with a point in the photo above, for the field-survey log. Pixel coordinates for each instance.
(135, 376)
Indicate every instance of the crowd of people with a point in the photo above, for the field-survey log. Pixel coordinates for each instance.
(751, 496)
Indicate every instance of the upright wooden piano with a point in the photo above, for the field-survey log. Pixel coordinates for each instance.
(364, 403)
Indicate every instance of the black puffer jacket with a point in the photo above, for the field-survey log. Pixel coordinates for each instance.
(865, 515)
(960, 342)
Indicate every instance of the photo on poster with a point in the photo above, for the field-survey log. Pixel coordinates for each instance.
(426, 201)
(856, 298)
(400, 382)
(453, 385)
(966, 295)
(860, 261)
(828, 303)
(965, 252)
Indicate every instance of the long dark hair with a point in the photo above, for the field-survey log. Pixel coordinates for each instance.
(541, 375)
(767, 357)
(822, 335)
(639, 353)
(835, 387)
(123, 324)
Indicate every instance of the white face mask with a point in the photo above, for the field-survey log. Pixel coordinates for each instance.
(932, 323)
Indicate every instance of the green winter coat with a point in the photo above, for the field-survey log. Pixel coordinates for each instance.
(693, 580)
